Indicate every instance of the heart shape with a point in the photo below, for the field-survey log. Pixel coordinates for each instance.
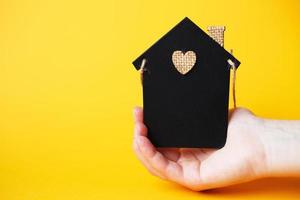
(184, 62)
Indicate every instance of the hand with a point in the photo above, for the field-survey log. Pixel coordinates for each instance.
(243, 158)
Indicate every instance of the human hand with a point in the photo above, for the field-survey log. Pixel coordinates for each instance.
(242, 159)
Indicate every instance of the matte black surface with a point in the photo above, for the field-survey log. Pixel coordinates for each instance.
(188, 110)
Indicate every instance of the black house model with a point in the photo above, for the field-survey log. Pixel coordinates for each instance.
(186, 79)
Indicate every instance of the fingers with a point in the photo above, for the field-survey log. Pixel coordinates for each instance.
(169, 169)
(145, 162)
(153, 160)
(141, 130)
(150, 153)
(172, 154)
(138, 114)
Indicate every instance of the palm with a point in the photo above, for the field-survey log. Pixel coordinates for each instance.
(198, 168)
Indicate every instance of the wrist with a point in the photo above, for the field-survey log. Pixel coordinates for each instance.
(281, 141)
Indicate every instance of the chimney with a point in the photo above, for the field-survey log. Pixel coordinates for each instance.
(217, 33)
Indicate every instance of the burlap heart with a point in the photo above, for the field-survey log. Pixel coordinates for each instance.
(184, 62)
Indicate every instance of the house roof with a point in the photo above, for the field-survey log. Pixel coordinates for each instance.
(185, 36)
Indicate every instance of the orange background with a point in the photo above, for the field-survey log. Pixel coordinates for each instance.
(67, 89)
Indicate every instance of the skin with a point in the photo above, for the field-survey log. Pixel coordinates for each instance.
(255, 148)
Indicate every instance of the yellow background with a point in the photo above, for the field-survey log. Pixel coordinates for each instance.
(67, 89)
